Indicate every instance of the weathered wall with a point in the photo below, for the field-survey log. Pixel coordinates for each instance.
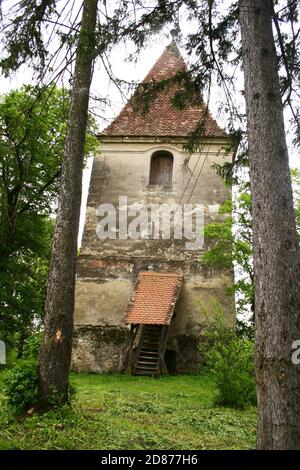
(99, 348)
(107, 269)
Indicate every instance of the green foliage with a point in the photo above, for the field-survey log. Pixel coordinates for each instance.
(21, 386)
(215, 330)
(33, 125)
(232, 365)
(229, 243)
(23, 282)
(11, 360)
(245, 329)
(126, 412)
(220, 253)
(32, 345)
(230, 359)
(24, 43)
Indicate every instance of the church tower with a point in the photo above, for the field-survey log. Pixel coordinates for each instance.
(141, 294)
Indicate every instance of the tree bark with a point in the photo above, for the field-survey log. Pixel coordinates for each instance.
(275, 246)
(56, 347)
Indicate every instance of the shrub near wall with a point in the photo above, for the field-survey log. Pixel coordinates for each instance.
(230, 359)
(233, 369)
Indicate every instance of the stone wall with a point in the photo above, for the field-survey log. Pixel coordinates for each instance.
(107, 270)
(99, 348)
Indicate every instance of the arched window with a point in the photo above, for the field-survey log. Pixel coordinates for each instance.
(161, 168)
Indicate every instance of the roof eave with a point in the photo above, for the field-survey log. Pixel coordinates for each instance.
(158, 138)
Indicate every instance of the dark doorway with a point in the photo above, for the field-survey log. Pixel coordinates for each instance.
(170, 361)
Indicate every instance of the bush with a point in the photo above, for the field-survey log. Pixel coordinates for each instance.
(32, 345)
(231, 361)
(21, 386)
(233, 368)
(215, 332)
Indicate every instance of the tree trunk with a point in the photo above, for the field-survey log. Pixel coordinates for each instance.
(56, 347)
(275, 246)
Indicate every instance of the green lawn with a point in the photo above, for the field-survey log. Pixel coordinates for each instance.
(124, 412)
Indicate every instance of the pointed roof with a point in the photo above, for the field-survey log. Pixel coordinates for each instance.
(168, 64)
(163, 119)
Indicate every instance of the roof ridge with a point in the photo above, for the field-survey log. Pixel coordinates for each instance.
(171, 49)
(162, 118)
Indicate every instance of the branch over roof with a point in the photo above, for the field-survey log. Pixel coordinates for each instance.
(163, 119)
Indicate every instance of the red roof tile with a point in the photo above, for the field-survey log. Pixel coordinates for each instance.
(154, 298)
(163, 119)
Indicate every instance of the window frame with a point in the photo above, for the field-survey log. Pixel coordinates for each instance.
(155, 155)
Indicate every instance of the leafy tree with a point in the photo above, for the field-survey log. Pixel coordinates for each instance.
(32, 127)
(25, 42)
(23, 285)
(33, 130)
(33, 124)
(230, 244)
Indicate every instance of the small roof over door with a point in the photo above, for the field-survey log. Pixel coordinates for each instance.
(154, 298)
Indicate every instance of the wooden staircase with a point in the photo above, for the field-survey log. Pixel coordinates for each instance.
(149, 355)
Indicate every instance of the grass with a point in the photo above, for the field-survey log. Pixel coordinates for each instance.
(125, 412)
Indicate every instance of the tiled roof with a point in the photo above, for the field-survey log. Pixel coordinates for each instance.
(154, 297)
(163, 119)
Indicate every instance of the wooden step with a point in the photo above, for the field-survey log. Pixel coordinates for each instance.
(147, 363)
(149, 350)
(147, 359)
(153, 355)
(149, 369)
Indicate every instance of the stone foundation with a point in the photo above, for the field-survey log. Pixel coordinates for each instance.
(103, 349)
(99, 349)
